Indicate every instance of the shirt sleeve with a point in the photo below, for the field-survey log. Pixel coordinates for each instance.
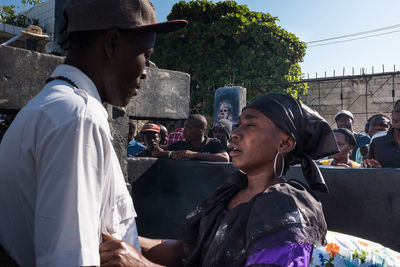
(285, 253)
(71, 160)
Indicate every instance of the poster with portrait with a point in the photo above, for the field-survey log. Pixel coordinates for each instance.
(228, 103)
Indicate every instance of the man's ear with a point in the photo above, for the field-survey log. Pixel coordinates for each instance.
(112, 42)
(288, 143)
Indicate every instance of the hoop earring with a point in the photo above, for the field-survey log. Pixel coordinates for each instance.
(283, 165)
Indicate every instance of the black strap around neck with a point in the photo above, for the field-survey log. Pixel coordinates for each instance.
(62, 78)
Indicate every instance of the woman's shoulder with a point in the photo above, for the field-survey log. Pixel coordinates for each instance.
(291, 194)
(286, 206)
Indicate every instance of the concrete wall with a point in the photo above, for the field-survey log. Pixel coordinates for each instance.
(22, 75)
(362, 202)
(363, 95)
(164, 94)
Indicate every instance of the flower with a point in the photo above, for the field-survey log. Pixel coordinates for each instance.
(363, 243)
(332, 249)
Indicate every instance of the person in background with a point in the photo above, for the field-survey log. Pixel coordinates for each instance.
(345, 119)
(346, 141)
(195, 144)
(377, 125)
(222, 131)
(384, 151)
(151, 137)
(175, 136)
(163, 135)
(134, 147)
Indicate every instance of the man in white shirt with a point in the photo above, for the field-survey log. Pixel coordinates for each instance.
(61, 186)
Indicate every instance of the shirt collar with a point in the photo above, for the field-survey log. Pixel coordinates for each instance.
(79, 78)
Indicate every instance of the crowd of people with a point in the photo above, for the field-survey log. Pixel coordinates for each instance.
(379, 148)
(63, 196)
(189, 142)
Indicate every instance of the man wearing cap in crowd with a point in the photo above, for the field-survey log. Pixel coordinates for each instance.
(62, 191)
(151, 137)
(345, 119)
(222, 131)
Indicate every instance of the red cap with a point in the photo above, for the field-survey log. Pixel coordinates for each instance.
(151, 127)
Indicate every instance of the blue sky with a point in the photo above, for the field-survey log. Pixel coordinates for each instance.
(320, 19)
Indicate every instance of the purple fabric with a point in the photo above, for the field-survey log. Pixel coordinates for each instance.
(291, 254)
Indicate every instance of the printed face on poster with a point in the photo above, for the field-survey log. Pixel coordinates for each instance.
(227, 104)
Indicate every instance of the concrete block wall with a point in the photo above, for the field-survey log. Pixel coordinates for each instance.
(22, 75)
(164, 94)
(362, 95)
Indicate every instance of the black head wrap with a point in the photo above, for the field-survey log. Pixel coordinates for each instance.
(314, 137)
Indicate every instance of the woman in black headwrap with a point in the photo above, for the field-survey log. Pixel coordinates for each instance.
(257, 218)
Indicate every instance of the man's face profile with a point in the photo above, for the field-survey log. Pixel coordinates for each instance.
(127, 65)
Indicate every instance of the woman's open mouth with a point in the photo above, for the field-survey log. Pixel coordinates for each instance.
(235, 151)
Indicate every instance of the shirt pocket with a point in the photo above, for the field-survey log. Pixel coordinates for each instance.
(122, 214)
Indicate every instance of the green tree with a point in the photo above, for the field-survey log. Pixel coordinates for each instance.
(11, 14)
(226, 43)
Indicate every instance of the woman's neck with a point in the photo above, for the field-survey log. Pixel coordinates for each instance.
(259, 182)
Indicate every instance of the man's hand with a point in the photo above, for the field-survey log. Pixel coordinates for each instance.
(371, 163)
(115, 252)
(181, 154)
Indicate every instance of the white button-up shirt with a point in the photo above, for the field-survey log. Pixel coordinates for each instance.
(61, 184)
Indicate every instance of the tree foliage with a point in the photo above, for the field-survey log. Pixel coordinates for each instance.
(10, 15)
(226, 43)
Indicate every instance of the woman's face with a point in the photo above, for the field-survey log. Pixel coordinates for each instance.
(255, 141)
(344, 146)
